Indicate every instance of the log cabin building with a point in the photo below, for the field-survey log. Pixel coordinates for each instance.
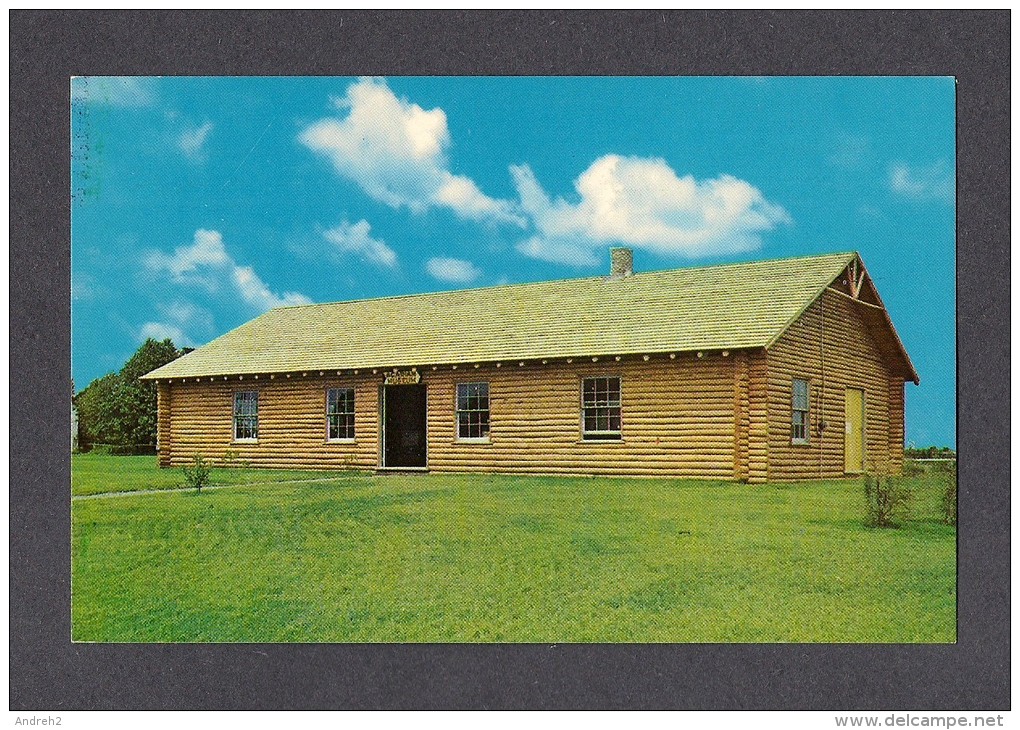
(771, 370)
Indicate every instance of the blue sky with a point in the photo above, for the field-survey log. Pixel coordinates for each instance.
(198, 203)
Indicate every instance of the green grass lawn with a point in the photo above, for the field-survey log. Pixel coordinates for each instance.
(442, 558)
(98, 473)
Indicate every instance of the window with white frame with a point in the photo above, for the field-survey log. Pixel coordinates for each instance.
(472, 410)
(600, 409)
(801, 400)
(340, 414)
(246, 415)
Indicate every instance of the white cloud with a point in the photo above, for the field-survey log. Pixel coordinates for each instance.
(206, 263)
(575, 250)
(163, 331)
(456, 271)
(181, 321)
(83, 287)
(200, 263)
(186, 313)
(642, 202)
(935, 182)
(254, 291)
(355, 239)
(396, 152)
(192, 141)
(850, 151)
(122, 91)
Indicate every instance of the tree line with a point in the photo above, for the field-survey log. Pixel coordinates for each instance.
(120, 409)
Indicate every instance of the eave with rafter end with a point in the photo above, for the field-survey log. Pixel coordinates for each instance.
(856, 284)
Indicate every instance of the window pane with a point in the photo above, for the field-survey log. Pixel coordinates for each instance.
(245, 414)
(340, 413)
(800, 395)
(800, 425)
(600, 405)
(799, 417)
(472, 410)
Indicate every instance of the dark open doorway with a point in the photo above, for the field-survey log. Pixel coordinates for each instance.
(404, 432)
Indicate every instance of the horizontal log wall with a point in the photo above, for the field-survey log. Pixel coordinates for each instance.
(677, 414)
(677, 419)
(831, 346)
(163, 410)
(292, 422)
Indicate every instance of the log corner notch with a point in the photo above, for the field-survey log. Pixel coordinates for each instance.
(757, 419)
(162, 424)
(741, 417)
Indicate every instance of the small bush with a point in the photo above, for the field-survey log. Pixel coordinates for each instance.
(888, 501)
(198, 474)
(232, 460)
(913, 469)
(949, 496)
(946, 467)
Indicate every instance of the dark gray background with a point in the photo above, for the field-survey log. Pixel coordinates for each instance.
(50, 673)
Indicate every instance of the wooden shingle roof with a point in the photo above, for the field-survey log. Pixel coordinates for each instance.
(731, 306)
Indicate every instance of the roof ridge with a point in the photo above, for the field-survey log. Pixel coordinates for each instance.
(494, 287)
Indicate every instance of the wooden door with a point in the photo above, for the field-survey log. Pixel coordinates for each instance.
(854, 443)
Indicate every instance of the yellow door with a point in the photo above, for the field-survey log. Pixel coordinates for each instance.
(854, 444)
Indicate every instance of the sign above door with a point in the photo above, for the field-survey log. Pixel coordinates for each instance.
(402, 377)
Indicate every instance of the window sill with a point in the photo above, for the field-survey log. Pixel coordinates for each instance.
(471, 441)
(800, 442)
(601, 441)
(243, 442)
(341, 441)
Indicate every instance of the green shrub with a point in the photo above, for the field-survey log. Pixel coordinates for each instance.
(949, 495)
(232, 460)
(946, 467)
(197, 475)
(913, 469)
(887, 501)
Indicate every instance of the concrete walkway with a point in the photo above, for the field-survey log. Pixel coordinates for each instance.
(137, 492)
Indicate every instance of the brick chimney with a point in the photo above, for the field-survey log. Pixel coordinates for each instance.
(621, 263)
